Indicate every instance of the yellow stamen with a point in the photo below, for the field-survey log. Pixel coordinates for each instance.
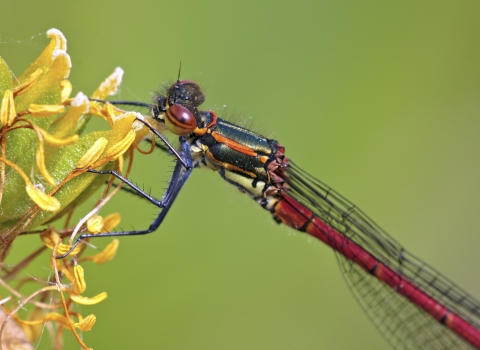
(32, 79)
(95, 224)
(7, 112)
(45, 110)
(110, 112)
(89, 301)
(50, 238)
(64, 248)
(87, 323)
(93, 153)
(52, 316)
(111, 221)
(43, 200)
(94, 109)
(79, 285)
(40, 160)
(107, 254)
(40, 154)
(117, 111)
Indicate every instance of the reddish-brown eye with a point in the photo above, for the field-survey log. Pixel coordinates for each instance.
(180, 120)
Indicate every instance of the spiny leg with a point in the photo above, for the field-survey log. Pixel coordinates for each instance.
(133, 188)
(180, 175)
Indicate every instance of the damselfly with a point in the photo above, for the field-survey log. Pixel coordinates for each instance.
(413, 305)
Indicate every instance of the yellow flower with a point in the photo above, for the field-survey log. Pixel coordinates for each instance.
(42, 145)
(45, 156)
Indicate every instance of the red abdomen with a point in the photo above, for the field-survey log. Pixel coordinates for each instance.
(292, 213)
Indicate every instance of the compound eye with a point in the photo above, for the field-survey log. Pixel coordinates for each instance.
(180, 120)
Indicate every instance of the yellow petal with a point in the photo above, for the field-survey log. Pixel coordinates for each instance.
(66, 89)
(40, 159)
(111, 221)
(69, 122)
(110, 85)
(120, 147)
(123, 125)
(7, 112)
(87, 323)
(58, 38)
(93, 153)
(89, 301)
(49, 82)
(45, 59)
(32, 79)
(45, 110)
(79, 285)
(107, 254)
(95, 224)
(43, 200)
(5, 78)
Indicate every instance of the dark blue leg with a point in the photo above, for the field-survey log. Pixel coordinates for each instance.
(180, 175)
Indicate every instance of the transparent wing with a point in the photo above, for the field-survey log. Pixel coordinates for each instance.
(401, 322)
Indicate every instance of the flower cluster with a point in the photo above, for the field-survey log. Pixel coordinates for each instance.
(44, 160)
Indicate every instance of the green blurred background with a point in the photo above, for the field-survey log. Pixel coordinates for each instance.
(378, 99)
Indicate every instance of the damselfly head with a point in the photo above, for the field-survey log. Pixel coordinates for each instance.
(181, 102)
(185, 93)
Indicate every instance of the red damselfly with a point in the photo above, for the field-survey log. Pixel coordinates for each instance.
(413, 305)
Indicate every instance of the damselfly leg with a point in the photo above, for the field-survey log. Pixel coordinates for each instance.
(181, 173)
